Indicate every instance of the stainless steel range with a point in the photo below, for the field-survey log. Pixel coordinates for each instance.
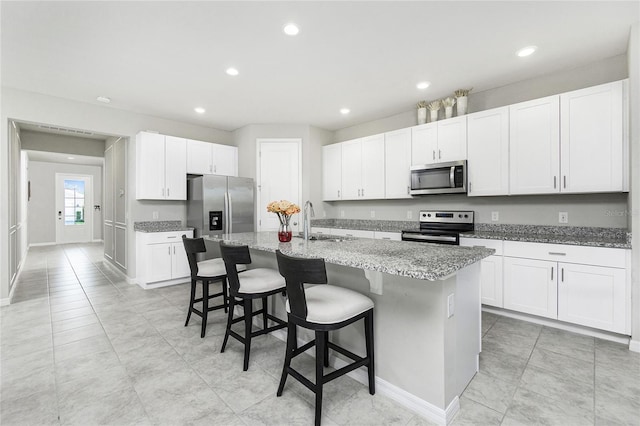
(441, 227)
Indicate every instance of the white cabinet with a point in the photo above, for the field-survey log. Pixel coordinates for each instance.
(397, 148)
(438, 142)
(382, 235)
(332, 172)
(534, 133)
(593, 296)
(161, 258)
(340, 232)
(363, 166)
(530, 286)
(160, 167)
(491, 282)
(488, 152)
(591, 139)
(211, 158)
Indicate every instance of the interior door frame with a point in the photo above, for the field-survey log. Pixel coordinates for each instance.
(88, 203)
(259, 142)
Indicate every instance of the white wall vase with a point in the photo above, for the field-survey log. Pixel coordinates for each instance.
(448, 112)
(422, 115)
(434, 115)
(462, 105)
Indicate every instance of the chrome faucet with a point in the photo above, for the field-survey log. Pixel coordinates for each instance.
(306, 226)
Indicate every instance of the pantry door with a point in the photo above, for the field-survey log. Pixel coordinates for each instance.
(74, 201)
(279, 177)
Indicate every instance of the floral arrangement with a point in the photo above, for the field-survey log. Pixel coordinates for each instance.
(462, 92)
(448, 102)
(435, 105)
(284, 209)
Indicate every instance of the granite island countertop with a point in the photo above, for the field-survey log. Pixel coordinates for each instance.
(404, 258)
(160, 226)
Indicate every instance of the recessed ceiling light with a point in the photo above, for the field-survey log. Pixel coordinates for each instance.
(200, 110)
(232, 71)
(291, 29)
(344, 111)
(71, 158)
(103, 99)
(526, 51)
(423, 85)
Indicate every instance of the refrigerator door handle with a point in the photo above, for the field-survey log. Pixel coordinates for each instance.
(225, 227)
(230, 214)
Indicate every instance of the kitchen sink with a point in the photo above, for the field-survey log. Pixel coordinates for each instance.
(323, 237)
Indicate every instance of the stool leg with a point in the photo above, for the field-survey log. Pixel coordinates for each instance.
(326, 348)
(205, 306)
(291, 346)
(225, 295)
(368, 331)
(320, 344)
(232, 303)
(264, 313)
(248, 306)
(193, 297)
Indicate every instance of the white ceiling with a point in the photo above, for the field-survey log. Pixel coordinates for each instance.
(165, 58)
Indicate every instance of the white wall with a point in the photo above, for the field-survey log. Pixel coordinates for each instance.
(49, 142)
(42, 206)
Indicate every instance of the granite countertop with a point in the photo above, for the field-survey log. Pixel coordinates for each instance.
(404, 258)
(367, 225)
(160, 226)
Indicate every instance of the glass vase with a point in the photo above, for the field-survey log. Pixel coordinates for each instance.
(284, 232)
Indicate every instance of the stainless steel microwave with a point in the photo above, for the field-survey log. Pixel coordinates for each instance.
(440, 178)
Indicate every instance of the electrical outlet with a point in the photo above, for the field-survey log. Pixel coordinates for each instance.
(409, 214)
(450, 305)
(373, 213)
(495, 216)
(563, 217)
(341, 213)
(155, 215)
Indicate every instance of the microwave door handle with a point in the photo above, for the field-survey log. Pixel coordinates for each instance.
(452, 177)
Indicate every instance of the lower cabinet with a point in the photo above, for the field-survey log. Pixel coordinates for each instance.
(161, 258)
(491, 281)
(530, 286)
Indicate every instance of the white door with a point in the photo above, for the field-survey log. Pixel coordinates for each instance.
(351, 169)
(332, 172)
(175, 168)
(279, 177)
(179, 262)
(397, 147)
(199, 157)
(491, 281)
(530, 286)
(372, 167)
(158, 261)
(424, 144)
(225, 160)
(452, 139)
(74, 208)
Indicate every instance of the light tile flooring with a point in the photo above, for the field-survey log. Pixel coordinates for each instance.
(80, 346)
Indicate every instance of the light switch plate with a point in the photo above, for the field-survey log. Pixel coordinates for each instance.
(495, 216)
(563, 217)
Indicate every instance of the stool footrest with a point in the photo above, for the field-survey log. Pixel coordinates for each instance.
(303, 348)
(268, 330)
(344, 352)
(308, 383)
(344, 370)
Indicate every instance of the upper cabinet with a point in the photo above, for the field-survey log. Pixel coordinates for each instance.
(488, 152)
(592, 139)
(363, 165)
(397, 150)
(210, 158)
(332, 172)
(534, 135)
(441, 141)
(160, 167)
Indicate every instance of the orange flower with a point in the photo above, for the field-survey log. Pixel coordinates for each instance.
(283, 207)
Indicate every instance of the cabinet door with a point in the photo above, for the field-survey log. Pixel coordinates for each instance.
(176, 168)
(150, 183)
(491, 281)
(225, 160)
(530, 286)
(397, 149)
(351, 169)
(199, 157)
(373, 170)
(179, 262)
(424, 144)
(592, 139)
(534, 133)
(331, 172)
(452, 139)
(488, 152)
(158, 262)
(593, 296)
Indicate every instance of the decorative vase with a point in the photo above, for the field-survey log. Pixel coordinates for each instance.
(284, 232)
(462, 105)
(422, 115)
(448, 112)
(434, 115)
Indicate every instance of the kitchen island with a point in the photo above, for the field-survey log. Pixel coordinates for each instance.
(426, 316)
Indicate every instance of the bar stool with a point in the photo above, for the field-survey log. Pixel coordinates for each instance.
(207, 272)
(322, 308)
(257, 283)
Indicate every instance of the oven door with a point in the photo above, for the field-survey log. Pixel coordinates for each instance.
(435, 237)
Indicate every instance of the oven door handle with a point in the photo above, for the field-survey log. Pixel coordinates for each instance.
(422, 237)
(452, 177)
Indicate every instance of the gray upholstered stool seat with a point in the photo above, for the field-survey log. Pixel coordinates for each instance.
(330, 304)
(260, 280)
(214, 268)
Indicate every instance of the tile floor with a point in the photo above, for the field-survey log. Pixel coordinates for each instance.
(81, 346)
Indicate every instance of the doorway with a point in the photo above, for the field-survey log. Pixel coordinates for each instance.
(279, 177)
(74, 203)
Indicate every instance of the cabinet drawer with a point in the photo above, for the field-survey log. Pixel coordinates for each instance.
(318, 230)
(354, 233)
(379, 235)
(480, 242)
(164, 237)
(600, 256)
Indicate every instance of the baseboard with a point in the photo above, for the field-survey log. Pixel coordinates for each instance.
(634, 345)
(97, 241)
(161, 283)
(604, 335)
(42, 244)
(119, 272)
(7, 300)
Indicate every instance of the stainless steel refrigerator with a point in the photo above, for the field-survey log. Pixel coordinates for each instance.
(220, 205)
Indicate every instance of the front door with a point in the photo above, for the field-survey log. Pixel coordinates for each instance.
(278, 179)
(74, 203)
